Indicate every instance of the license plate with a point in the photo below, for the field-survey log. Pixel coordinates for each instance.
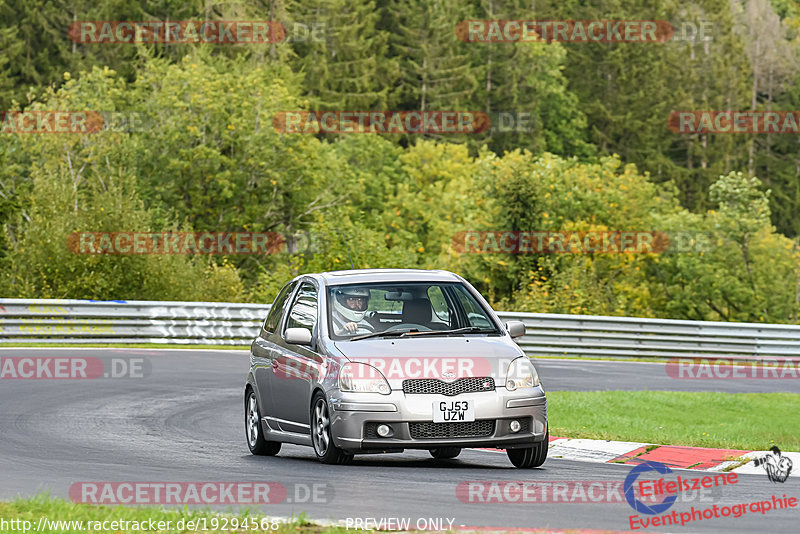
(453, 411)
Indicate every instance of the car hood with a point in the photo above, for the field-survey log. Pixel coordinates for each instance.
(443, 358)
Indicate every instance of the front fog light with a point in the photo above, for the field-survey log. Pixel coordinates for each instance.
(384, 430)
(515, 426)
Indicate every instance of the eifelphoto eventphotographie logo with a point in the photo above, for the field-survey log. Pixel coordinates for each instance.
(650, 515)
(777, 466)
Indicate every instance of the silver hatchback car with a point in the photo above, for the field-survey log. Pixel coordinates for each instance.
(382, 360)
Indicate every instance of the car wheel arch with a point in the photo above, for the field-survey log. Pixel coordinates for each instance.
(314, 390)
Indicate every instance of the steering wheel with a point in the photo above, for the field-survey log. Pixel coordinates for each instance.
(408, 326)
(365, 326)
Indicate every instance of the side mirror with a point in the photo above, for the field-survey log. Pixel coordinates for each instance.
(515, 328)
(298, 336)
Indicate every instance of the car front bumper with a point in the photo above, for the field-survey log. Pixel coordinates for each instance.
(355, 416)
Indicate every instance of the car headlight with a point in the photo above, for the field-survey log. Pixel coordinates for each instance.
(521, 374)
(362, 378)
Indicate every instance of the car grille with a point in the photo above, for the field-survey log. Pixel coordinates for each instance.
(474, 429)
(433, 386)
(524, 425)
(371, 430)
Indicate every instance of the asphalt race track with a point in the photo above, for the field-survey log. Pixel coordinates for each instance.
(184, 422)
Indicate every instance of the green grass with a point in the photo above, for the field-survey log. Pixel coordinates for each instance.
(752, 421)
(60, 510)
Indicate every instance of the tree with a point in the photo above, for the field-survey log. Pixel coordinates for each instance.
(436, 72)
(741, 270)
(523, 82)
(349, 69)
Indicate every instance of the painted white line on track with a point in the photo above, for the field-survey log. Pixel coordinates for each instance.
(751, 469)
(592, 449)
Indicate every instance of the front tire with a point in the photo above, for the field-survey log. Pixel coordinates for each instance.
(445, 453)
(254, 433)
(321, 436)
(531, 456)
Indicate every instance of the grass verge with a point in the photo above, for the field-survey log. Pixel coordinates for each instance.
(749, 421)
(131, 519)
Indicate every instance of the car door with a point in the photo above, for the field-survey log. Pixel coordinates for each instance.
(263, 350)
(296, 367)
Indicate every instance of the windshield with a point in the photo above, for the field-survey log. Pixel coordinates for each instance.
(358, 310)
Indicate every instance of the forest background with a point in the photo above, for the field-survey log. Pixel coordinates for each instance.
(597, 154)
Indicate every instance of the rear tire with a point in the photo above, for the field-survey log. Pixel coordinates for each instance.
(445, 453)
(531, 456)
(321, 437)
(252, 426)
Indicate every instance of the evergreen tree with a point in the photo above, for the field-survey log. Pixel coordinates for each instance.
(436, 68)
(348, 69)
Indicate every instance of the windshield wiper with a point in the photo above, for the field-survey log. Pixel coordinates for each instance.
(393, 333)
(465, 330)
(413, 332)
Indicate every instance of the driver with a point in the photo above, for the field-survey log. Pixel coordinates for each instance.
(349, 307)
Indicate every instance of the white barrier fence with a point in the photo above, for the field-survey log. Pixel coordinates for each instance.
(133, 321)
(211, 323)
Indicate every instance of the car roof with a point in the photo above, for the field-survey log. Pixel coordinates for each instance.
(365, 276)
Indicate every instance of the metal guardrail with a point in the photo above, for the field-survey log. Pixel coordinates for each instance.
(133, 321)
(632, 337)
(209, 323)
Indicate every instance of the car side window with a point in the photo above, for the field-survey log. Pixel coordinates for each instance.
(475, 315)
(276, 311)
(304, 310)
(438, 303)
